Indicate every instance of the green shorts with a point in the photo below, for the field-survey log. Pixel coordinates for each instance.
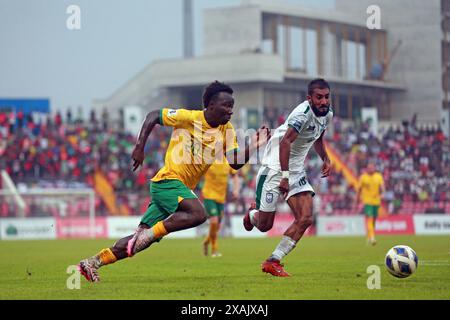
(213, 208)
(166, 196)
(371, 211)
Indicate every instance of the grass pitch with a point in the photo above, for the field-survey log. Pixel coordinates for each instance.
(322, 268)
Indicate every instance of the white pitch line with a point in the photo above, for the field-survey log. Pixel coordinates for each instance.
(434, 263)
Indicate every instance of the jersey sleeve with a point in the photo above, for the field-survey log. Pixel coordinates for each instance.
(230, 139)
(177, 118)
(299, 119)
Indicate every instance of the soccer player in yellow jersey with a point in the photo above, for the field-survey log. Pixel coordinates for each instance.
(214, 193)
(370, 188)
(200, 137)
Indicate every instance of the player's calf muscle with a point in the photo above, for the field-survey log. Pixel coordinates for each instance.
(119, 248)
(198, 219)
(182, 220)
(264, 226)
(265, 221)
(298, 227)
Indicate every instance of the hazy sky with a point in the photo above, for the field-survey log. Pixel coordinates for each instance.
(41, 58)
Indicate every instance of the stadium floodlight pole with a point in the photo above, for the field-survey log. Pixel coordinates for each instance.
(188, 29)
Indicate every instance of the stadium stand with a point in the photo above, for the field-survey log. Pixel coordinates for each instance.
(52, 153)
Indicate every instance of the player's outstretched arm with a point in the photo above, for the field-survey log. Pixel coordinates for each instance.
(319, 146)
(152, 119)
(258, 140)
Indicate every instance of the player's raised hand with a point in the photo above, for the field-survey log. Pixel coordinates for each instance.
(138, 157)
(326, 168)
(284, 187)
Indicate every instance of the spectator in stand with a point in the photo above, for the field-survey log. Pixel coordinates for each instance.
(80, 118)
(69, 116)
(105, 119)
(93, 120)
(20, 119)
(58, 119)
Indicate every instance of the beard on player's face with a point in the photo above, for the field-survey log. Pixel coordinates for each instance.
(320, 110)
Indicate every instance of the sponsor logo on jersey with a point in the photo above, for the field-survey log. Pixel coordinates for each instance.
(298, 125)
(269, 197)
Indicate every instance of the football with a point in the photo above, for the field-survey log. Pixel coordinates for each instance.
(401, 261)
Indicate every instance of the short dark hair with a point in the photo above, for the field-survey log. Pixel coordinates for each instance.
(213, 90)
(317, 84)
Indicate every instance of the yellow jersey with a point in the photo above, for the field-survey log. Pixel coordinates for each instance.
(216, 181)
(370, 186)
(194, 145)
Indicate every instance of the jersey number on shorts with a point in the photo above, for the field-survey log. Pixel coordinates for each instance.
(303, 181)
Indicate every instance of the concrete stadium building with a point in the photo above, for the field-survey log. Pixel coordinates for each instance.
(268, 51)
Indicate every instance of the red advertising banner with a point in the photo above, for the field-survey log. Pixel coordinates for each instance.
(80, 228)
(282, 222)
(401, 224)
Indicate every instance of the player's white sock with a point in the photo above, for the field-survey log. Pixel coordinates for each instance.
(253, 219)
(285, 246)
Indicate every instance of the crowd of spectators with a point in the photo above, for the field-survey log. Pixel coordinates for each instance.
(414, 161)
(52, 152)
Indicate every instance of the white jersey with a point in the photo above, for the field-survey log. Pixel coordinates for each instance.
(309, 128)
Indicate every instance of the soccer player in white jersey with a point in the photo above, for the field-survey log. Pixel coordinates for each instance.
(283, 174)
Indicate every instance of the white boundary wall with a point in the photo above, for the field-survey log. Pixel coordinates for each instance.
(26, 229)
(117, 227)
(432, 224)
(341, 226)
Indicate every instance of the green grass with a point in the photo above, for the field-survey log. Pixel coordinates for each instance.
(322, 268)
